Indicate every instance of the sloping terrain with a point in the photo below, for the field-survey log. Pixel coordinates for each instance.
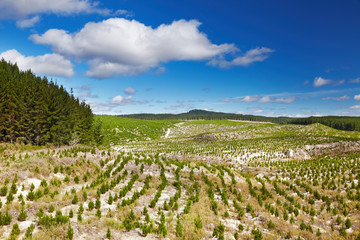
(205, 179)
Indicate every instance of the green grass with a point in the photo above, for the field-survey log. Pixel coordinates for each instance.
(118, 130)
(235, 138)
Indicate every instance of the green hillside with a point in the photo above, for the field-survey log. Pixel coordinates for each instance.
(117, 130)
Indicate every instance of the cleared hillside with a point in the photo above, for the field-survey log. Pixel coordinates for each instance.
(186, 180)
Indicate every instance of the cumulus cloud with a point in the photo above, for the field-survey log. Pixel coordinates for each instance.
(118, 46)
(48, 64)
(121, 101)
(98, 107)
(129, 91)
(357, 97)
(258, 54)
(356, 107)
(343, 98)
(30, 22)
(268, 99)
(21, 9)
(248, 99)
(319, 82)
(111, 106)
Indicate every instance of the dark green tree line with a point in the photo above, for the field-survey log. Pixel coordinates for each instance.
(337, 122)
(34, 110)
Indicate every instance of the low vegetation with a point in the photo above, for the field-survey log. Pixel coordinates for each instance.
(185, 180)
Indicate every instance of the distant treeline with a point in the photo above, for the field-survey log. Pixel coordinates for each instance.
(207, 115)
(341, 123)
(34, 110)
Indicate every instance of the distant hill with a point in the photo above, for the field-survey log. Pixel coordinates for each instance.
(337, 122)
(198, 114)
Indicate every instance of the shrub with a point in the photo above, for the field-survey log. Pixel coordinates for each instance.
(85, 196)
(76, 179)
(29, 231)
(257, 234)
(75, 200)
(22, 215)
(13, 188)
(271, 224)
(91, 205)
(51, 208)
(5, 219)
(162, 229)
(179, 227)
(347, 223)
(15, 230)
(198, 222)
(108, 233)
(98, 213)
(70, 232)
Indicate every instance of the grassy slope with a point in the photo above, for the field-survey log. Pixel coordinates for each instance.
(261, 191)
(117, 130)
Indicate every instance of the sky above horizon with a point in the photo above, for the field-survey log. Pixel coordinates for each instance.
(270, 58)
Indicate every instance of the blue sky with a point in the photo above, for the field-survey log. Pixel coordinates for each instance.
(271, 58)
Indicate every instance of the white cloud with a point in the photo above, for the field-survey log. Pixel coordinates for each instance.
(120, 101)
(319, 82)
(285, 100)
(268, 99)
(48, 64)
(85, 87)
(21, 9)
(30, 22)
(84, 95)
(357, 97)
(98, 107)
(256, 110)
(258, 54)
(248, 99)
(179, 104)
(356, 80)
(225, 100)
(339, 82)
(118, 46)
(130, 91)
(356, 107)
(343, 98)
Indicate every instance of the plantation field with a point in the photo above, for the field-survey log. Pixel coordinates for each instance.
(118, 130)
(186, 180)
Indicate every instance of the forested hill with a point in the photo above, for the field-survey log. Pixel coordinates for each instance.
(341, 122)
(34, 110)
(337, 122)
(208, 115)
